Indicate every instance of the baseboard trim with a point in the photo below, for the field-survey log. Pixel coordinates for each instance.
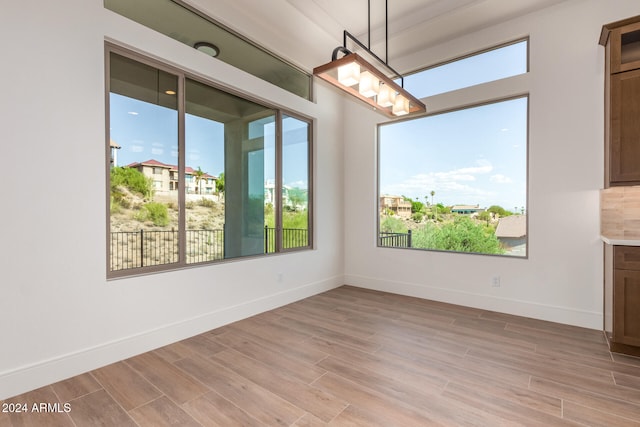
(558, 314)
(30, 377)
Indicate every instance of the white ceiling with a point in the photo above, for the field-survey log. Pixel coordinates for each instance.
(306, 31)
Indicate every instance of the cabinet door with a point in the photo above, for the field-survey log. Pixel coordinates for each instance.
(625, 48)
(626, 257)
(624, 153)
(626, 307)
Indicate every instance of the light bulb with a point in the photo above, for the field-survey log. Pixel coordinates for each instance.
(400, 106)
(349, 74)
(386, 96)
(369, 84)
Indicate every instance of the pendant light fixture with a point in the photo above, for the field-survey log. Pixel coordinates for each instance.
(355, 76)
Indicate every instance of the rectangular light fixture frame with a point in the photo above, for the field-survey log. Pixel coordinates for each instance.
(329, 73)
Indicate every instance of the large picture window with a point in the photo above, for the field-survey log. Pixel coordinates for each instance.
(197, 174)
(493, 64)
(456, 181)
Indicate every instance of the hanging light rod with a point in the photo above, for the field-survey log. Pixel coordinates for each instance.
(357, 77)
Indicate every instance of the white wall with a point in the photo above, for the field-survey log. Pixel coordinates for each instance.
(562, 278)
(61, 317)
(59, 314)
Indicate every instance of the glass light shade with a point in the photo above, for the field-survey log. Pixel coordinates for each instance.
(386, 96)
(360, 79)
(400, 106)
(349, 74)
(369, 84)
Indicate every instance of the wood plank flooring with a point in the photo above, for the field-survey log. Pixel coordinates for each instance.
(354, 357)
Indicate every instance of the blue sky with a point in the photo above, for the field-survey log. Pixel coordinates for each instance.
(471, 156)
(495, 64)
(147, 131)
(475, 156)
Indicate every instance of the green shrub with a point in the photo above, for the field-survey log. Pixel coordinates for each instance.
(392, 224)
(297, 219)
(207, 203)
(461, 235)
(114, 206)
(132, 179)
(155, 212)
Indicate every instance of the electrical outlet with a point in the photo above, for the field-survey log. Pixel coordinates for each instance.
(495, 282)
(279, 277)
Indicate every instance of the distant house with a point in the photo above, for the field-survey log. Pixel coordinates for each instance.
(165, 178)
(396, 204)
(270, 196)
(466, 209)
(114, 147)
(512, 233)
(207, 184)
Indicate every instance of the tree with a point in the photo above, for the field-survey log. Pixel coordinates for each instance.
(484, 216)
(220, 183)
(416, 206)
(298, 197)
(498, 210)
(461, 235)
(198, 174)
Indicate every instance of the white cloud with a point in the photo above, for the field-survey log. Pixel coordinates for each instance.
(500, 179)
(456, 183)
(298, 184)
(483, 166)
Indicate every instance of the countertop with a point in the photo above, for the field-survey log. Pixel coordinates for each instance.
(620, 241)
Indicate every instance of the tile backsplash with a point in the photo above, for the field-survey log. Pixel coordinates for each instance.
(620, 212)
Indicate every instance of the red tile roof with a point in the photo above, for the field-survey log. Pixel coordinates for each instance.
(174, 168)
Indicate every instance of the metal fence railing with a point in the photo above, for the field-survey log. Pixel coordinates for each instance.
(134, 249)
(291, 238)
(205, 245)
(395, 240)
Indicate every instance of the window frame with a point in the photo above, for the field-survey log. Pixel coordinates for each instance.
(467, 102)
(477, 53)
(242, 42)
(182, 76)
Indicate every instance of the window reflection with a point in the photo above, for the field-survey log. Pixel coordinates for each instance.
(144, 211)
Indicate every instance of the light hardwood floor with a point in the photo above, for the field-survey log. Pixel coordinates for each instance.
(354, 357)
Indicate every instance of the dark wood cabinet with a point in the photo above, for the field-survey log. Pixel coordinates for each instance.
(624, 133)
(622, 102)
(626, 297)
(624, 40)
(621, 40)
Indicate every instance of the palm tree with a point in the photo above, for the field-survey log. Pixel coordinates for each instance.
(198, 174)
(433, 193)
(220, 184)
